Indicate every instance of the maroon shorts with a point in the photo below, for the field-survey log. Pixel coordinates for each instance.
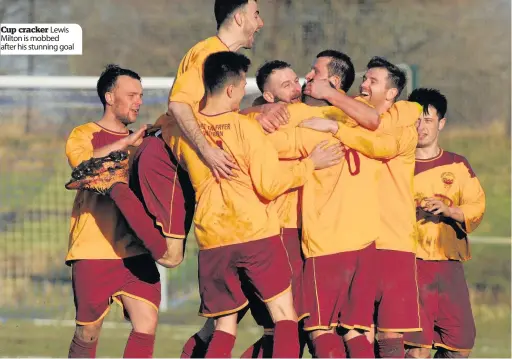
(98, 282)
(339, 289)
(446, 316)
(397, 301)
(291, 241)
(262, 262)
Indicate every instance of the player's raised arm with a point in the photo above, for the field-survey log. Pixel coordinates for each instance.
(331, 76)
(364, 115)
(270, 177)
(187, 91)
(378, 145)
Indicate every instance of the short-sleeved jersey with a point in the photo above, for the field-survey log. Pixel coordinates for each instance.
(163, 187)
(449, 178)
(394, 142)
(98, 229)
(340, 201)
(188, 86)
(236, 210)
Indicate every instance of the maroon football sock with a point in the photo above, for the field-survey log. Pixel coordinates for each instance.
(139, 345)
(329, 346)
(286, 339)
(221, 345)
(138, 219)
(391, 348)
(195, 347)
(82, 349)
(360, 347)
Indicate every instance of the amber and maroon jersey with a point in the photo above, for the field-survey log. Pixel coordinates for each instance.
(450, 178)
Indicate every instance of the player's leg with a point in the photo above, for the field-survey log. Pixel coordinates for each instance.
(85, 340)
(327, 343)
(399, 305)
(419, 344)
(262, 348)
(196, 345)
(266, 265)
(140, 297)
(221, 294)
(411, 352)
(144, 319)
(357, 317)
(444, 353)
(326, 285)
(94, 282)
(223, 339)
(286, 338)
(137, 218)
(456, 332)
(292, 242)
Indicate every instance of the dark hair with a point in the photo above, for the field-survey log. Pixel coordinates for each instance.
(224, 8)
(430, 97)
(108, 78)
(222, 68)
(266, 70)
(397, 77)
(258, 101)
(340, 65)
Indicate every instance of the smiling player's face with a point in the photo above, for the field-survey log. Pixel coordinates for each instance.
(252, 22)
(283, 85)
(126, 99)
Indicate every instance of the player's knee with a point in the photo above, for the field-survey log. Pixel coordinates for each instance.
(146, 321)
(281, 308)
(317, 333)
(174, 259)
(88, 333)
(227, 324)
(370, 335)
(174, 254)
(417, 353)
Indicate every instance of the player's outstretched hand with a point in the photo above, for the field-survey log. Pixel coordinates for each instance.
(277, 110)
(135, 139)
(319, 89)
(324, 157)
(320, 124)
(269, 123)
(220, 163)
(99, 175)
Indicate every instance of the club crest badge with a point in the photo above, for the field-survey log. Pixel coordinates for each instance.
(447, 178)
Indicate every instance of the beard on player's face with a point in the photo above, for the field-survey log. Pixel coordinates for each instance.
(289, 97)
(126, 114)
